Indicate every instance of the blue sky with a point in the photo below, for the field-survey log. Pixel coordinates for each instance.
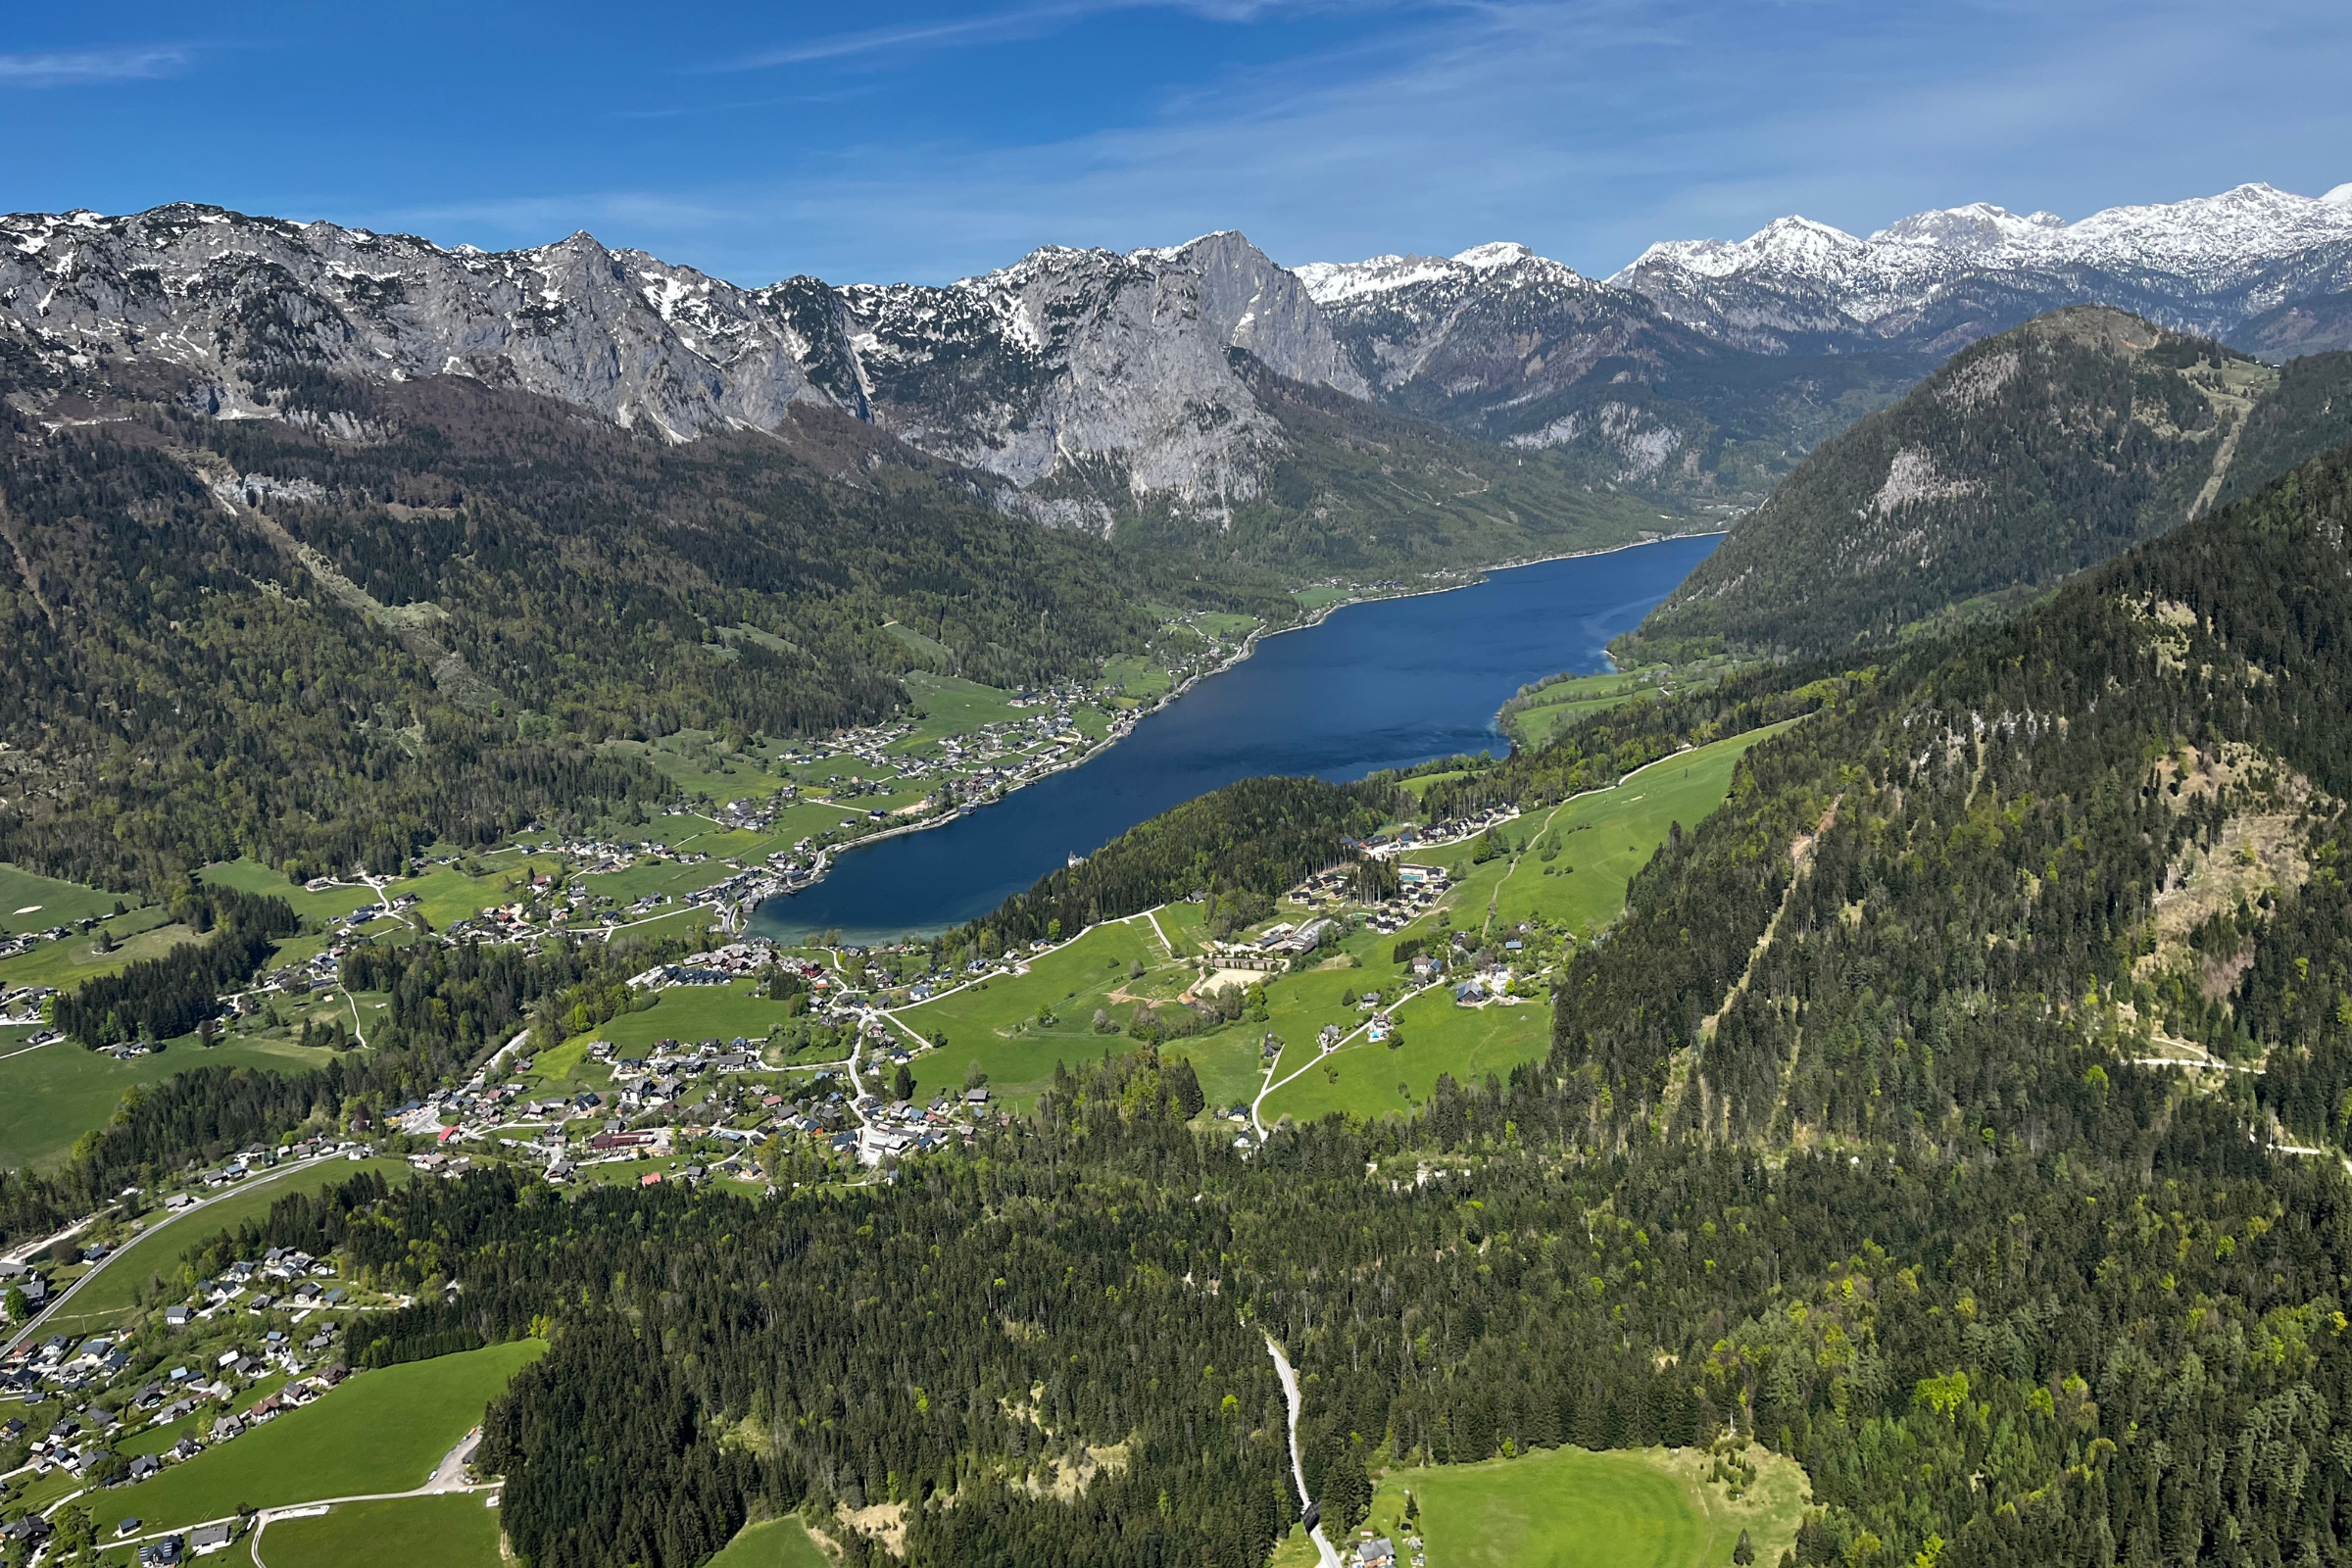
(928, 141)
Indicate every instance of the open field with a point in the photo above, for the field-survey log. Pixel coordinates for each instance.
(954, 705)
(137, 934)
(699, 763)
(567, 1068)
(50, 1097)
(1562, 702)
(1601, 841)
(996, 1023)
(931, 648)
(771, 1543)
(1136, 676)
(1608, 837)
(1364, 1078)
(30, 901)
(693, 1012)
(456, 1530)
(381, 1430)
(160, 1249)
(251, 876)
(1572, 1509)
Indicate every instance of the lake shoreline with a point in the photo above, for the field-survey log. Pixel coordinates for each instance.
(1471, 577)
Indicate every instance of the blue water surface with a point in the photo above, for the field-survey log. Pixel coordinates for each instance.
(1384, 684)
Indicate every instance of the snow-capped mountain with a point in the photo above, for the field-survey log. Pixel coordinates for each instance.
(1936, 280)
(1115, 364)
(1509, 346)
(1092, 382)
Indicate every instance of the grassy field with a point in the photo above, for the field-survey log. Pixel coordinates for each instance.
(160, 1249)
(251, 876)
(953, 705)
(693, 1012)
(50, 1097)
(1604, 838)
(997, 1024)
(32, 903)
(1136, 676)
(1607, 838)
(1366, 1079)
(1562, 702)
(456, 1530)
(699, 763)
(1572, 1509)
(771, 1543)
(1600, 842)
(135, 935)
(939, 653)
(380, 1431)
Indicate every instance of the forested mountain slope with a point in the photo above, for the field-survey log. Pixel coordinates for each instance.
(2029, 455)
(266, 637)
(2309, 412)
(1889, 1128)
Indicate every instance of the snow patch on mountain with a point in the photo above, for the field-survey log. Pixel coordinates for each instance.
(1332, 283)
(2206, 263)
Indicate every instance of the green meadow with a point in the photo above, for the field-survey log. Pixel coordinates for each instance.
(997, 1022)
(452, 1530)
(771, 1544)
(382, 1431)
(691, 1014)
(30, 901)
(52, 1096)
(1598, 842)
(1570, 1507)
(1604, 838)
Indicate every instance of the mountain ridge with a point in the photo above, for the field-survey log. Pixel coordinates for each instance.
(1095, 390)
(2029, 455)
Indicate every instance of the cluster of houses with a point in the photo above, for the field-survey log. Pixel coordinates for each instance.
(1418, 890)
(1436, 835)
(23, 1004)
(25, 941)
(1379, 1551)
(284, 1280)
(904, 1128)
(80, 1441)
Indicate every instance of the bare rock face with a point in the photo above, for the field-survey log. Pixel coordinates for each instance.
(1091, 382)
(1068, 361)
(1092, 365)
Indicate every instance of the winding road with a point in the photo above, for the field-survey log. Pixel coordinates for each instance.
(1290, 1392)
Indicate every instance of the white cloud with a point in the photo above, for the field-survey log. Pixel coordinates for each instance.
(1587, 128)
(84, 66)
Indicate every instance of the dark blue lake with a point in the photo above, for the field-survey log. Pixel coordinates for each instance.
(1376, 685)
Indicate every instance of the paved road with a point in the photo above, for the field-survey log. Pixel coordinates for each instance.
(33, 1324)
